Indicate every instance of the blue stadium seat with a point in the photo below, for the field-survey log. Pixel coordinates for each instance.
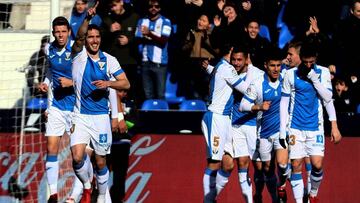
(170, 91)
(358, 109)
(155, 104)
(193, 105)
(37, 103)
(264, 32)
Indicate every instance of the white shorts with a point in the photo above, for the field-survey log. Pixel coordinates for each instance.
(303, 143)
(243, 142)
(93, 129)
(215, 128)
(58, 122)
(268, 146)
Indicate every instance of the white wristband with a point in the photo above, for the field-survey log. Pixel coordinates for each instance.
(120, 116)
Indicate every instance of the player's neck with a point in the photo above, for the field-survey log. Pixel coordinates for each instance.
(94, 56)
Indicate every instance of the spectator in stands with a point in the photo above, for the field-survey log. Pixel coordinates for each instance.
(78, 15)
(346, 39)
(119, 27)
(229, 29)
(37, 67)
(345, 99)
(256, 44)
(198, 47)
(153, 33)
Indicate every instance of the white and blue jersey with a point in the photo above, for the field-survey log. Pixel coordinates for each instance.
(268, 122)
(224, 79)
(245, 118)
(89, 99)
(151, 51)
(305, 105)
(60, 66)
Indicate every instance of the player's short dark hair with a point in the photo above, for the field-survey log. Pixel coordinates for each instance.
(60, 20)
(93, 27)
(225, 49)
(241, 49)
(274, 53)
(308, 50)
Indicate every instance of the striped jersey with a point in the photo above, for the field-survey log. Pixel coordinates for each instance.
(89, 99)
(59, 66)
(149, 50)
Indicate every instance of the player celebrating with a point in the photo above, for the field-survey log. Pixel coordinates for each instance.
(92, 70)
(263, 96)
(216, 121)
(61, 99)
(306, 85)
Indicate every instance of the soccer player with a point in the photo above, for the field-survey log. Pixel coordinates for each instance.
(61, 99)
(216, 121)
(241, 144)
(92, 70)
(306, 86)
(263, 97)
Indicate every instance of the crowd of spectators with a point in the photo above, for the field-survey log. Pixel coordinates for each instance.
(153, 38)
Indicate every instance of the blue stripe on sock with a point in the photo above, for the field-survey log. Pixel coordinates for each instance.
(51, 158)
(308, 167)
(296, 176)
(102, 171)
(317, 174)
(243, 170)
(210, 172)
(78, 165)
(224, 173)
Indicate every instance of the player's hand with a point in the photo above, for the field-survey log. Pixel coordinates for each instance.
(65, 82)
(123, 40)
(101, 84)
(265, 105)
(284, 143)
(205, 64)
(43, 87)
(217, 20)
(115, 27)
(145, 30)
(303, 71)
(91, 12)
(122, 126)
(313, 76)
(335, 135)
(114, 125)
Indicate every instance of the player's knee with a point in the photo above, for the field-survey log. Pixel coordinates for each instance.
(100, 162)
(227, 163)
(316, 166)
(296, 165)
(266, 166)
(77, 158)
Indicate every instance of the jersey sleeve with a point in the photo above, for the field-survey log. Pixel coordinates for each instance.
(326, 79)
(249, 98)
(286, 84)
(114, 67)
(232, 78)
(166, 29)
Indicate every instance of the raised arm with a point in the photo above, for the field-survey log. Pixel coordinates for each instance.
(80, 36)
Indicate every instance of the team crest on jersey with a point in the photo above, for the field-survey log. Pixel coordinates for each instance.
(67, 56)
(215, 150)
(72, 129)
(102, 65)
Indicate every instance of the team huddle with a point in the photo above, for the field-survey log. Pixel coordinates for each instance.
(273, 118)
(81, 82)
